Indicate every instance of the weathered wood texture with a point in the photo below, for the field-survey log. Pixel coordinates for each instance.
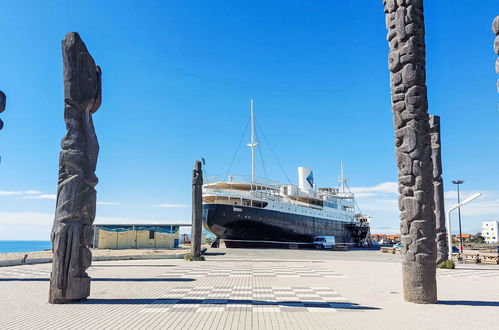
(495, 29)
(3, 100)
(72, 230)
(406, 62)
(197, 209)
(438, 189)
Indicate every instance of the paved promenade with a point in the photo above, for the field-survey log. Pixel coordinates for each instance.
(252, 289)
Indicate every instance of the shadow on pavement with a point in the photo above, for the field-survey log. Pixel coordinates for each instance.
(468, 303)
(110, 279)
(228, 302)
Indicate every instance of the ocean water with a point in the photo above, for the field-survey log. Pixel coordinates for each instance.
(24, 246)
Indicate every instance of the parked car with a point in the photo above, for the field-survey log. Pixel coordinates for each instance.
(324, 242)
(455, 249)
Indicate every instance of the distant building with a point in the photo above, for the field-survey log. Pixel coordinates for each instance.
(490, 231)
(127, 236)
(378, 237)
(466, 238)
(386, 239)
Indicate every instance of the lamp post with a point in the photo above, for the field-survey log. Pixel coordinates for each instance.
(457, 183)
(458, 205)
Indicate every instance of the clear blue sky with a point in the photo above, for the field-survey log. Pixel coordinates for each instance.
(177, 79)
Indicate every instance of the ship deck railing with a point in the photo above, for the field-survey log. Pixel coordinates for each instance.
(259, 194)
(242, 179)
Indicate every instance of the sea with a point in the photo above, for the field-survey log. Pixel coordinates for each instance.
(24, 246)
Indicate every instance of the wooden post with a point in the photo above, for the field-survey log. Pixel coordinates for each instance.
(3, 100)
(407, 65)
(438, 186)
(197, 209)
(72, 230)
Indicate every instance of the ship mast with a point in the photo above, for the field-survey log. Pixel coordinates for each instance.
(253, 144)
(342, 179)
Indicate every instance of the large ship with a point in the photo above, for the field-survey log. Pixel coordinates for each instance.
(248, 208)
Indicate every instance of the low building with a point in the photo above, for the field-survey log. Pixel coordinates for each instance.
(378, 237)
(143, 236)
(457, 238)
(490, 231)
(386, 239)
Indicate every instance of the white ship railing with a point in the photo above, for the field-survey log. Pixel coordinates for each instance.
(241, 179)
(263, 195)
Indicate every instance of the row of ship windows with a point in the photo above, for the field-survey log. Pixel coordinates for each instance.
(331, 205)
(338, 225)
(312, 213)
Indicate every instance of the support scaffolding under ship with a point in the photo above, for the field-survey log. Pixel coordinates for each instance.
(239, 208)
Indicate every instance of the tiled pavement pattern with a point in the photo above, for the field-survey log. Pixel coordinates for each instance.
(261, 299)
(270, 270)
(178, 294)
(262, 289)
(24, 271)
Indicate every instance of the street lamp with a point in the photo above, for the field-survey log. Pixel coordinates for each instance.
(458, 205)
(457, 183)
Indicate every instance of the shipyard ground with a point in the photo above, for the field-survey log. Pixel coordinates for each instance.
(253, 289)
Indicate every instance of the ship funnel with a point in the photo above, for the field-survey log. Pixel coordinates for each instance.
(305, 178)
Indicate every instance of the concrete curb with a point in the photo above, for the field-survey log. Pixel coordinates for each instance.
(6, 263)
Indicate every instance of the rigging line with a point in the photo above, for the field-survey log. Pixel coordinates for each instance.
(354, 200)
(237, 150)
(271, 149)
(261, 157)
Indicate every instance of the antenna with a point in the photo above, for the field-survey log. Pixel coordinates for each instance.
(342, 180)
(253, 144)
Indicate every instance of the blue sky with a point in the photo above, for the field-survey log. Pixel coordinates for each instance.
(177, 79)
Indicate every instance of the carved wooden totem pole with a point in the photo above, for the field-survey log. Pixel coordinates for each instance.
(406, 61)
(495, 29)
(76, 197)
(197, 209)
(3, 101)
(438, 189)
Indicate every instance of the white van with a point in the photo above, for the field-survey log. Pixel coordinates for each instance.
(324, 242)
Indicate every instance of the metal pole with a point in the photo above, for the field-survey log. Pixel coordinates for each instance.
(252, 142)
(95, 233)
(459, 216)
(449, 234)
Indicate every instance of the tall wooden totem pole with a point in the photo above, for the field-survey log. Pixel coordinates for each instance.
(72, 230)
(3, 101)
(406, 62)
(495, 29)
(438, 190)
(197, 209)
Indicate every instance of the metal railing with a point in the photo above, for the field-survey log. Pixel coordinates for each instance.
(241, 179)
(259, 194)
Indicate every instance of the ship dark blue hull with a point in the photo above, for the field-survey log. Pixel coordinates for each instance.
(251, 223)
